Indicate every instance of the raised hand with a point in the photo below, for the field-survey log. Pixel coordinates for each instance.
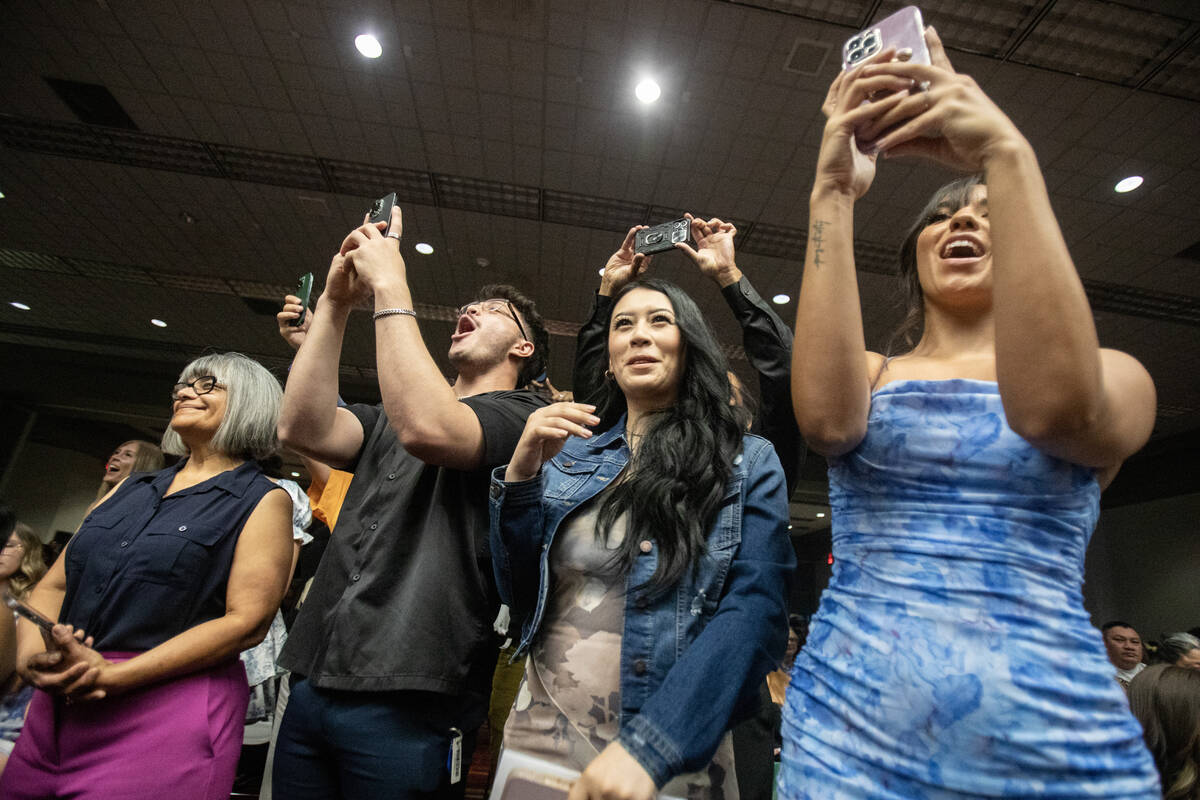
(624, 265)
(545, 433)
(294, 336)
(946, 118)
(374, 258)
(841, 166)
(713, 253)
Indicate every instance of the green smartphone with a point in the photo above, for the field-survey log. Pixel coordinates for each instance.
(303, 291)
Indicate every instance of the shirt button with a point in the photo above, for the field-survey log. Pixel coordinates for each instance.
(639, 667)
(391, 476)
(99, 589)
(645, 546)
(374, 525)
(641, 602)
(355, 576)
(182, 528)
(125, 544)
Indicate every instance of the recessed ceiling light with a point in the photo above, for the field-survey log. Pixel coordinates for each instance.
(648, 91)
(1, 195)
(18, 306)
(780, 299)
(482, 263)
(1128, 184)
(158, 323)
(424, 249)
(295, 474)
(368, 45)
(789, 527)
(820, 514)
(602, 272)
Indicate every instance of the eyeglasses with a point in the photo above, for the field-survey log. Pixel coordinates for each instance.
(202, 385)
(504, 307)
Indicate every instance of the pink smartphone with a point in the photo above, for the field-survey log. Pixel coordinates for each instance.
(903, 29)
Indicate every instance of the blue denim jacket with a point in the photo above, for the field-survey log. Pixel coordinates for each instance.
(691, 660)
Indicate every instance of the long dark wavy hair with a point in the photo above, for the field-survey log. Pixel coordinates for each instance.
(907, 334)
(676, 480)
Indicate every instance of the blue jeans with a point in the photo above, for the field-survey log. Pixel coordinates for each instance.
(368, 745)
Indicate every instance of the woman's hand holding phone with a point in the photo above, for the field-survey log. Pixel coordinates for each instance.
(69, 667)
(545, 433)
(949, 119)
(292, 334)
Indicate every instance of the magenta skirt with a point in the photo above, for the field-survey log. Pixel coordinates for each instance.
(180, 738)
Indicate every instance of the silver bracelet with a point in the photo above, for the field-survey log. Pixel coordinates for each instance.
(390, 312)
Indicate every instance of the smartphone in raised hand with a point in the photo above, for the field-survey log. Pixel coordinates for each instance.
(304, 292)
(903, 30)
(381, 211)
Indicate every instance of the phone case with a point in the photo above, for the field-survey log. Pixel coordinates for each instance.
(662, 237)
(304, 292)
(903, 29)
(381, 211)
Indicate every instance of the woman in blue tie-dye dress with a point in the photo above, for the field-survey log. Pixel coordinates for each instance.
(952, 656)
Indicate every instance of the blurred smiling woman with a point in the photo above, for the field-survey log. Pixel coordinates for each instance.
(167, 580)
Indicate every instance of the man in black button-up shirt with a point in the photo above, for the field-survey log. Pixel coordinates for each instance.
(393, 648)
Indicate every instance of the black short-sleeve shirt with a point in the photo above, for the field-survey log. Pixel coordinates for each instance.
(404, 596)
(144, 567)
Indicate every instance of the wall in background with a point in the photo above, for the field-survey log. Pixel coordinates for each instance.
(1143, 566)
(50, 487)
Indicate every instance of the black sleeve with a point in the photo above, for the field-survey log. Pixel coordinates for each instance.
(768, 345)
(502, 416)
(367, 416)
(591, 351)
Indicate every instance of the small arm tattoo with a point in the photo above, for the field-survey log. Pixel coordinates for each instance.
(818, 228)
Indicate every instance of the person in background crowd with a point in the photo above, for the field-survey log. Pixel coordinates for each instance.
(141, 693)
(767, 341)
(951, 655)
(1181, 650)
(1124, 648)
(393, 652)
(136, 455)
(21, 567)
(1166, 700)
(648, 630)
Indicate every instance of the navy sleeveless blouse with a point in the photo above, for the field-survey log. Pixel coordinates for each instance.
(144, 567)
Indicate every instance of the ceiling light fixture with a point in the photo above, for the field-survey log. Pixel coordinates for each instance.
(158, 323)
(1128, 184)
(648, 91)
(820, 514)
(368, 45)
(602, 272)
(424, 249)
(18, 306)
(295, 474)
(780, 299)
(1, 195)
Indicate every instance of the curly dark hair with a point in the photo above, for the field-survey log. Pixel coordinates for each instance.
(677, 478)
(955, 195)
(535, 364)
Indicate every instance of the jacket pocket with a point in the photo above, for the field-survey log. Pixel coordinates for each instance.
(564, 477)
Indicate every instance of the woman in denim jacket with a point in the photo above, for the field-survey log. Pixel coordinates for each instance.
(648, 562)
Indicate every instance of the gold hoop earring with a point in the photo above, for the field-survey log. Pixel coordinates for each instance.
(608, 374)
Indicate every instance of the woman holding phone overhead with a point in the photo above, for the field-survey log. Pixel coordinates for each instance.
(951, 655)
(646, 548)
(168, 579)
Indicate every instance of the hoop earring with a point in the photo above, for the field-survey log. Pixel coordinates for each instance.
(608, 374)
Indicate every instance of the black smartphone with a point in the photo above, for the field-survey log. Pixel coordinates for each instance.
(28, 612)
(662, 237)
(381, 211)
(304, 292)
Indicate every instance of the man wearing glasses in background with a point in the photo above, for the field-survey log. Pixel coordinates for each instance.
(392, 653)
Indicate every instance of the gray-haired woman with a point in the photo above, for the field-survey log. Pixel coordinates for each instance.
(171, 576)
(1180, 649)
